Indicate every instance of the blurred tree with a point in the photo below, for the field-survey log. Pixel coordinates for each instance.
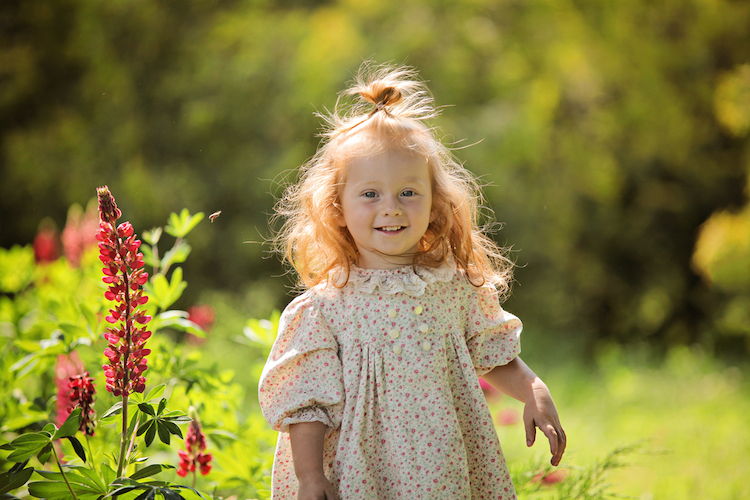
(604, 139)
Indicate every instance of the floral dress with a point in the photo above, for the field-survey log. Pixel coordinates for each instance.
(389, 362)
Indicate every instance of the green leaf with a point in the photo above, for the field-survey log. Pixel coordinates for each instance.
(156, 392)
(146, 495)
(114, 410)
(71, 425)
(44, 455)
(151, 433)
(162, 405)
(170, 494)
(145, 427)
(152, 237)
(53, 490)
(147, 408)
(73, 475)
(180, 225)
(164, 434)
(12, 479)
(173, 428)
(78, 448)
(150, 470)
(28, 445)
(176, 255)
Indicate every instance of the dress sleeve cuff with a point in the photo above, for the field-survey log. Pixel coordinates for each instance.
(309, 414)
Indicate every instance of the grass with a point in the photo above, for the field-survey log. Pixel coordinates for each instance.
(688, 414)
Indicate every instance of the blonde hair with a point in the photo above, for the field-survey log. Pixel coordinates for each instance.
(311, 239)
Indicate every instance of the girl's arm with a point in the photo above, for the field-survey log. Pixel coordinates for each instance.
(307, 440)
(518, 381)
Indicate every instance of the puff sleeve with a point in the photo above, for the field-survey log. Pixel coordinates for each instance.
(492, 334)
(302, 380)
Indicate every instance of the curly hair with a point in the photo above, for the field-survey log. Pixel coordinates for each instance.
(313, 242)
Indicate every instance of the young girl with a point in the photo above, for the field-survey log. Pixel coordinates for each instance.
(373, 379)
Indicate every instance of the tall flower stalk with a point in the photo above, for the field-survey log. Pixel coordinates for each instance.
(124, 273)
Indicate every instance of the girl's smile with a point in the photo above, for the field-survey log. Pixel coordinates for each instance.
(386, 204)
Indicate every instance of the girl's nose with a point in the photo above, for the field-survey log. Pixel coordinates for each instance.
(392, 206)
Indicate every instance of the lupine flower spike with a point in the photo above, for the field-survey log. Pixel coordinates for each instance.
(123, 272)
(82, 394)
(194, 456)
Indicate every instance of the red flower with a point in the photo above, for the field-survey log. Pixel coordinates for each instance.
(65, 367)
(193, 455)
(46, 245)
(74, 388)
(82, 394)
(203, 316)
(550, 478)
(123, 272)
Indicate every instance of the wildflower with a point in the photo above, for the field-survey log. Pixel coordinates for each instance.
(79, 233)
(46, 244)
(66, 366)
(193, 455)
(123, 272)
(550, 478)
(203, 316)
(82, 394)
(508, 416)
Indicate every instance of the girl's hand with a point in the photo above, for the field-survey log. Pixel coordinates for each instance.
(517, 380)
(540, 412)
(315, 487)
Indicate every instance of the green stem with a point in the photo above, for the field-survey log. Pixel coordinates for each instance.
(132, 440)
(124, 436)
(59, 465)
(92, 463)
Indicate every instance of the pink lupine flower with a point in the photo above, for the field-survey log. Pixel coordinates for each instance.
(193, 456)
(46, 245)
(203, 316)
(82, 394)
(123, 272)
(79, 233)
(66, 366)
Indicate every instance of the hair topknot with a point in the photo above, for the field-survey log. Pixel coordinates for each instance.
(386, 107)
(397, 91)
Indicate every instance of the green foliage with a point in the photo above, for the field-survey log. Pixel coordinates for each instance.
(58, 311)
(607, 133)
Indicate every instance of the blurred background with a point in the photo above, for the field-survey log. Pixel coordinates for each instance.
(612, 138)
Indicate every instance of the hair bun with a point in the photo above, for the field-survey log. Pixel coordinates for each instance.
(381, 95)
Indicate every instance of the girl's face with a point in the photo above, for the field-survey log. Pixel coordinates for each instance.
(386, 204)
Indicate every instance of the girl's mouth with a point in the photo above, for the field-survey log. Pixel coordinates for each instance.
(390, 229)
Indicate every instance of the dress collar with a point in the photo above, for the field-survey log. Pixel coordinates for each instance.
(408, 279)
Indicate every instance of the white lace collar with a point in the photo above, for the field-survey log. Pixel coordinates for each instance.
(405, 279)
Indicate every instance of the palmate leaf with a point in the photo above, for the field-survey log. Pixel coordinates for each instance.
(168, 491)
(53, 490)
(150, 470)
(180, 225)
(78, 448)
(28, 445)
(70, 426)
(15, 478)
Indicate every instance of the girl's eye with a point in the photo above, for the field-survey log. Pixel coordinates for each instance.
(369, 194)
(408, 192)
